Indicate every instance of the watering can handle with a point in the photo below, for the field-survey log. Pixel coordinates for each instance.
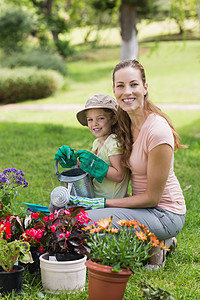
(56, 167)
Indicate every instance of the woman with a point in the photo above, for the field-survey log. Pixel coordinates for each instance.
(148, 140)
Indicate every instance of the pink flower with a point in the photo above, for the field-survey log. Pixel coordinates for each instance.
(32, 232)
(67, 212)
(83, 217)
(45, 219)
(39, 233)
(53, 228)
(61, 235)
(67, 233)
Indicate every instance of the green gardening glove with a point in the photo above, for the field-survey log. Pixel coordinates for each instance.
(87, 203)
(67, 156)
(93, 165)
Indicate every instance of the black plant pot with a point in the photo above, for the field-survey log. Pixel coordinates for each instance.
(35, 266)
(10, 281)
(68, 256)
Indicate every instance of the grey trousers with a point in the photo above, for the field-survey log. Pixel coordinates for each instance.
(164, 224)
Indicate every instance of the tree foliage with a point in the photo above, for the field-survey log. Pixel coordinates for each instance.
(15, 27)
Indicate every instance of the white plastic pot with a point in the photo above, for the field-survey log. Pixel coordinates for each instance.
(62, 275)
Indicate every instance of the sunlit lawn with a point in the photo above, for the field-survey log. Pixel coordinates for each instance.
(172, 70)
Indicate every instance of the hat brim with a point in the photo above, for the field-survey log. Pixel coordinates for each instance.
(81, 115)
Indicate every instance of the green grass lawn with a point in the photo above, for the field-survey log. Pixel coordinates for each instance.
(172, 70)
(28, 141)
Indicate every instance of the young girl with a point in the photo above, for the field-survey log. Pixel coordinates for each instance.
(100, 117)
(104, 162)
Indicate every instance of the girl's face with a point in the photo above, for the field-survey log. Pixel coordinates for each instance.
(99, 123)
(128, 89)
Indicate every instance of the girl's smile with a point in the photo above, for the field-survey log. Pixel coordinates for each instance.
(99, 123)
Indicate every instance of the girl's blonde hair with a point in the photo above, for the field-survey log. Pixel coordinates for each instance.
(124, 133)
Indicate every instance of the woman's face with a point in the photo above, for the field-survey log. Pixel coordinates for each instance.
(128, 89)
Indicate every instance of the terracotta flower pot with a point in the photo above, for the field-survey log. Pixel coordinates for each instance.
(106, 284)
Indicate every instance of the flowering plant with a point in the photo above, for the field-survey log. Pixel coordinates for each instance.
(63, 231)
(11, 246)
(125, 248)
(34, 230)
(10, 180)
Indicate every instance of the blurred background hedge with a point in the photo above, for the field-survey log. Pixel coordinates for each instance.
(28, 83)
(35, 58)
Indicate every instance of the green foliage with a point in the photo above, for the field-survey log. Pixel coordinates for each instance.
(104, 4)
(64, 232)
(28, 83)
(35, 58)
(125, 248)
(150, 293)
(11, 251)
(64, 48)
(15, 27)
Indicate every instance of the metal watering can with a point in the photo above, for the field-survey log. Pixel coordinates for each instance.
(77, 181)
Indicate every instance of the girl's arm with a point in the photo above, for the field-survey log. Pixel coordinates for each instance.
(159, 161)
(116, 171)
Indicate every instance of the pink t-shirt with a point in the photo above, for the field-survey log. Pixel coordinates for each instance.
(155, 131)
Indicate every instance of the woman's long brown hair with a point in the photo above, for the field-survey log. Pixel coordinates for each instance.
(124, 133)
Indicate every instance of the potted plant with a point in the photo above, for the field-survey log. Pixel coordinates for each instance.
(34, 234)
(11, 250)
(115, 254)
(63, 266)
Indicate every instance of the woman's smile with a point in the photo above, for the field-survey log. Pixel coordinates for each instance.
(129, 89)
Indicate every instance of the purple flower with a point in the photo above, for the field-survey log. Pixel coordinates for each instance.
(11, 178)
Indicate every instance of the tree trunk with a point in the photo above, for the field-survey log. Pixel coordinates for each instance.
(129, 46)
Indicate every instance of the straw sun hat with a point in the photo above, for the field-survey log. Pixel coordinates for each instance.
(97, 101)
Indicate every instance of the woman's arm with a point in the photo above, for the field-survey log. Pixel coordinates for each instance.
(116, 171)
(159, 161)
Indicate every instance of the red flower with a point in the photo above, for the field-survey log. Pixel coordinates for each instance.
(45, 219)
(41, 249)
(51, 217)
(8, 228)
(35, 216)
